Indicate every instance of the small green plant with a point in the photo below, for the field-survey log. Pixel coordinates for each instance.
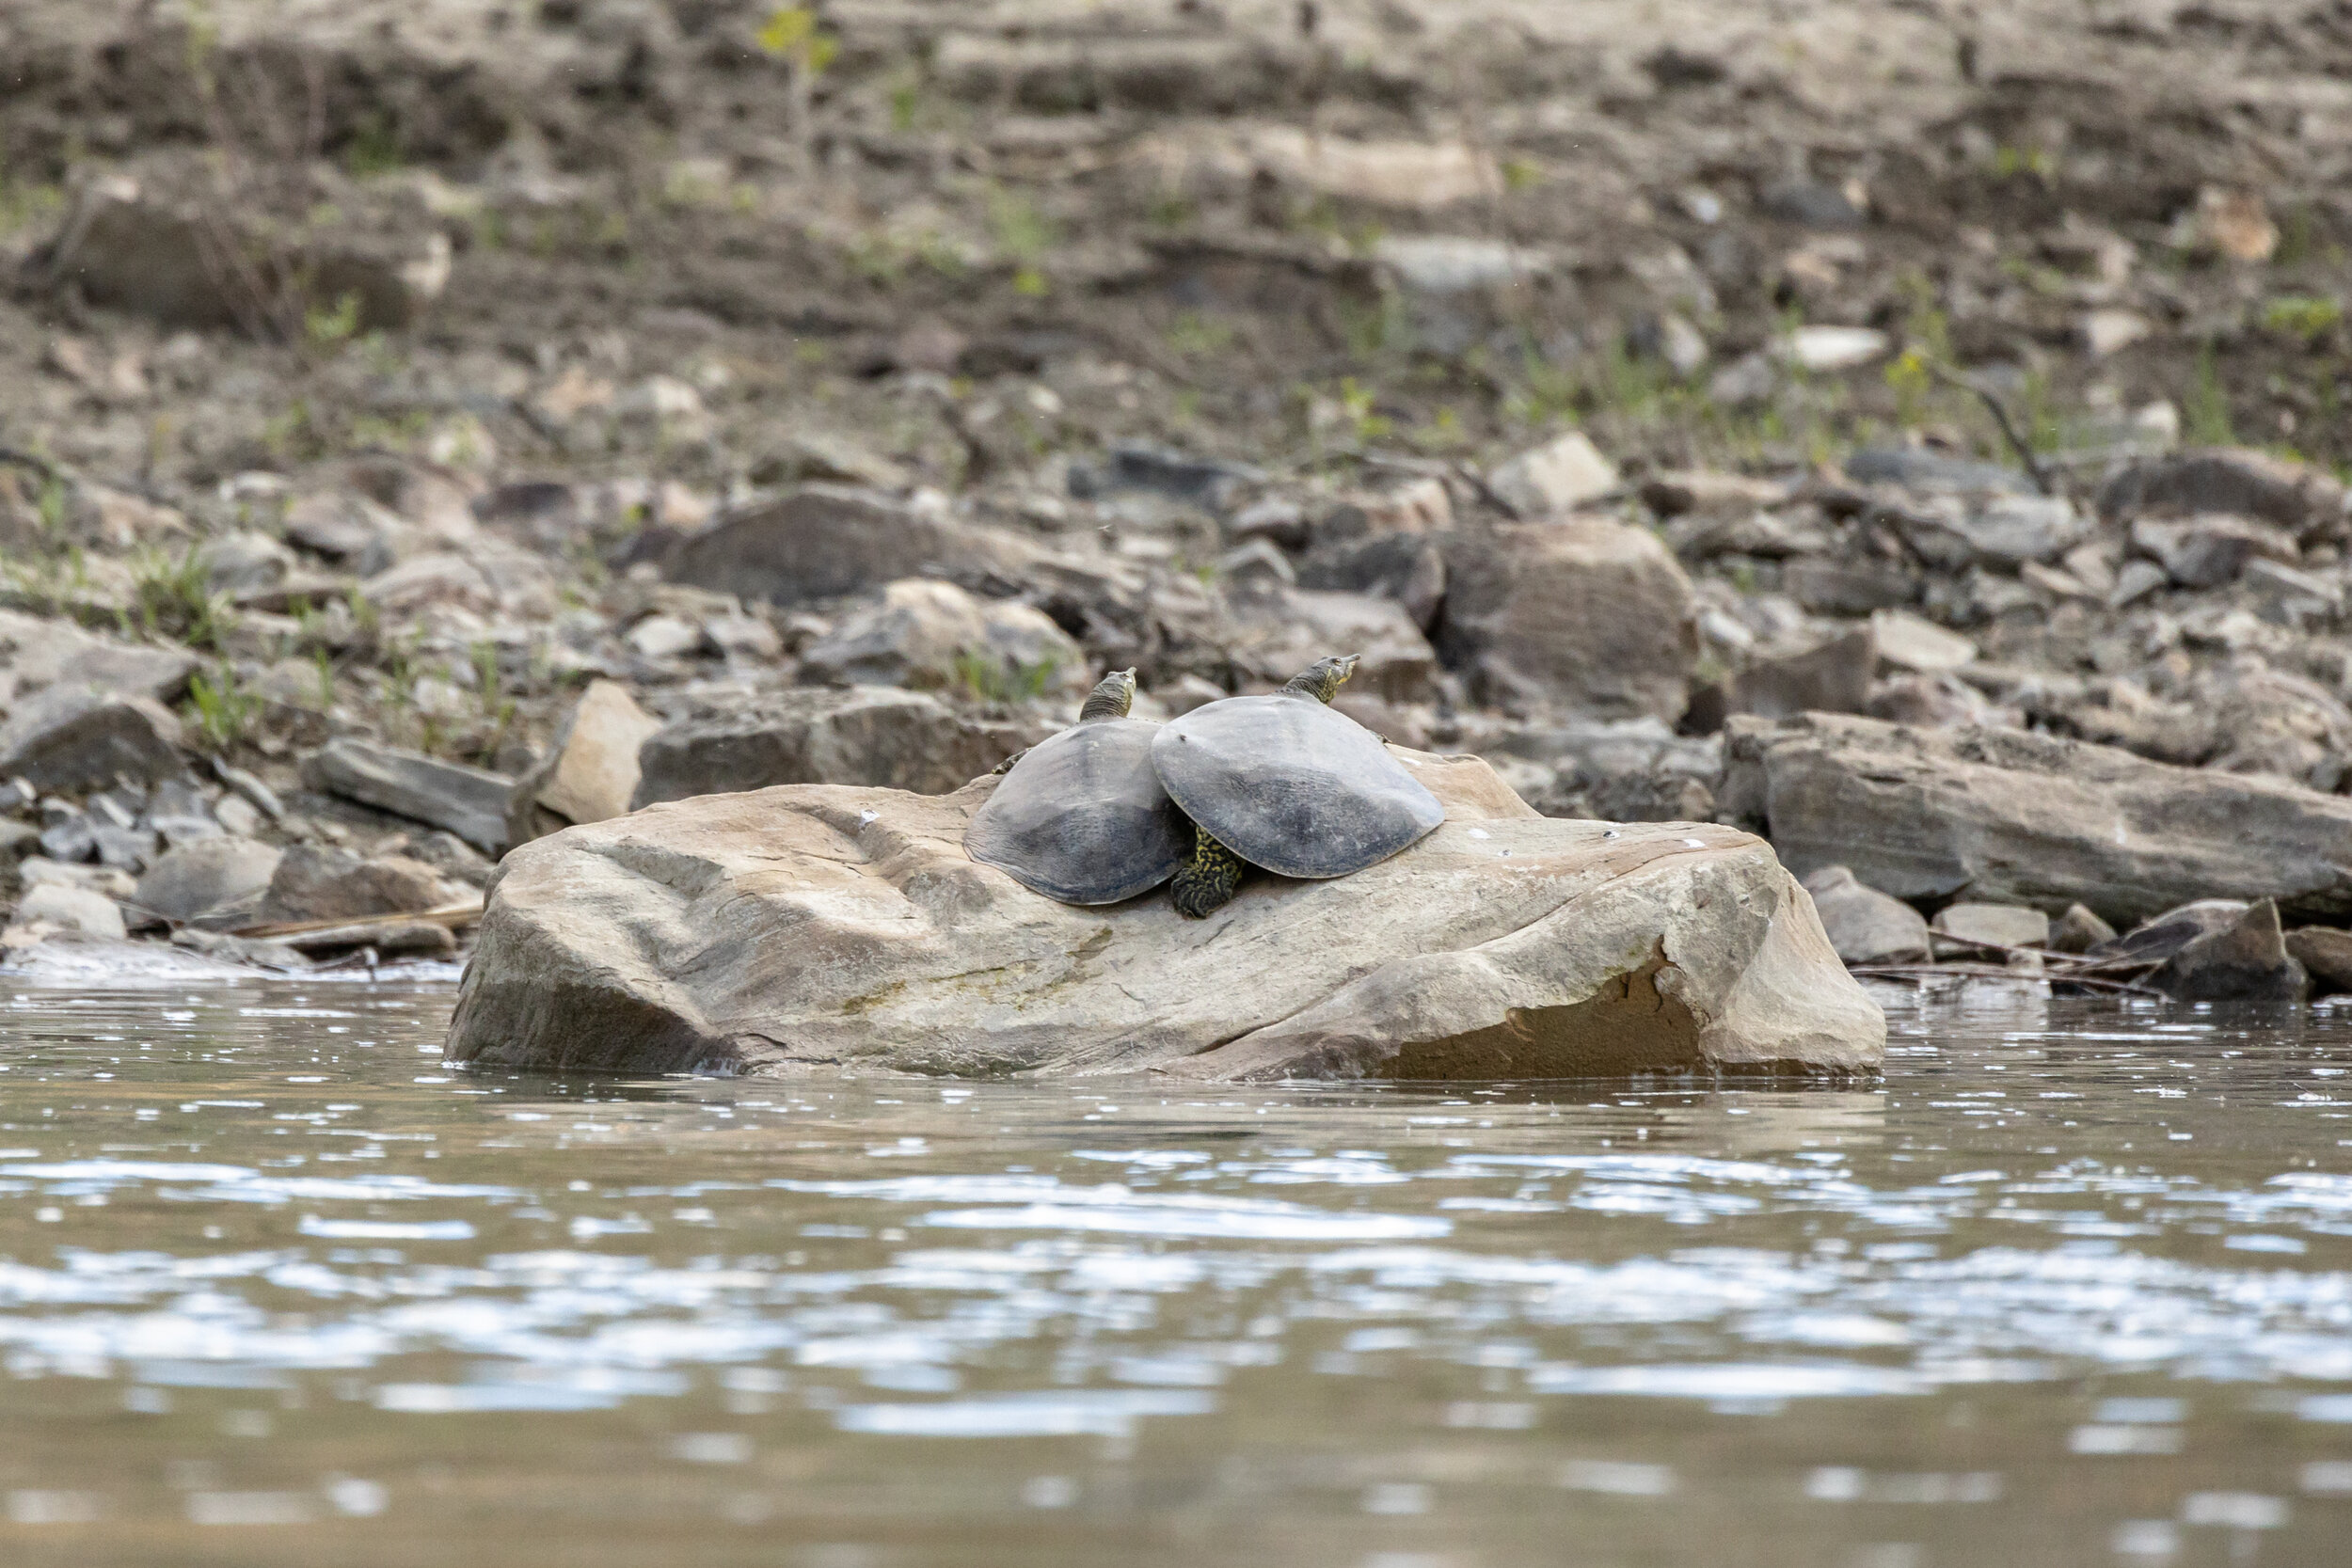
(1521, 174)
(1023, 235)
(174, 599)
(219, 709)
(1910, 381)
(330, 329)
(1193, 333)
(373, 148)
(792, 34)
(2303, 316)
(323, 664)
(1355, 402)
(2009, 162)
(2205, 411)
(995, 679)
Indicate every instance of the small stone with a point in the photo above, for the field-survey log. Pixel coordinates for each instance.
(589, 772)
(2325, 954)
(71, 737)
(195, 878)
(62, 907)
(1998, 925)
(2245, 961)
(1831, 676)
(744, 637)
(469, 801)
(1909, 642)
(1553, 478)
(2209, 551)
(1254, 567)
(2078, 930)
(665, 637)
(2105, 332)
(406, 939)
(313, 883)
(1866, 925)
(2133, 582)
(1834, 348)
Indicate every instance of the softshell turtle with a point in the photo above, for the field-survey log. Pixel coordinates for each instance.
(1287, 782)
(1081, 816)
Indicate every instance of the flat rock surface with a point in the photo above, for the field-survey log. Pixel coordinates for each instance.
(812, 925)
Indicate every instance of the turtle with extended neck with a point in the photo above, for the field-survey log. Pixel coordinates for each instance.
(1081, 816)
(1287, 782)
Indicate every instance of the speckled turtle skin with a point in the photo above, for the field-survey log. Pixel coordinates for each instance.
(1081, 816)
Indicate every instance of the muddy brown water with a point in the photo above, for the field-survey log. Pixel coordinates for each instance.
(277, 1288)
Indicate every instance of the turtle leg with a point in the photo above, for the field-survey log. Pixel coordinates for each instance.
(1205, 881)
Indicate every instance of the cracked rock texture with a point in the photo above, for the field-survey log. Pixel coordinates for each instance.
(812, 925)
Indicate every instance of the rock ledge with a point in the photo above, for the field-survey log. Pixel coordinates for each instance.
(807, 925)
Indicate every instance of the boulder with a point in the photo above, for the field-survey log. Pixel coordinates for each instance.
(1864, 925)
(1546, 480)
(2306, 502)
(2246, 960)
(794, 927)
(206, 874)
(2014, 818)
(926, 633)
(822, 541)
(73, 736)
(1588, 613)
(469, 801)
(860, 735)
(589, 772)
(315, 882)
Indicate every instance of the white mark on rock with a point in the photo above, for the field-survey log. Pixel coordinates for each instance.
(1695, 842)
(1480, 832)
(867, 815)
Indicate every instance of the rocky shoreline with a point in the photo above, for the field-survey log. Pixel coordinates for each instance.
(485, 461)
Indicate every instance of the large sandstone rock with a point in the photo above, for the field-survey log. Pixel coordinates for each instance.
(1588, 613)
(797, 928)
(866, 735)
(2013, 817)
(825, 540)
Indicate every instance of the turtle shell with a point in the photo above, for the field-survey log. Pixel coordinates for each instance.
(1293, 786)
(1082, 818)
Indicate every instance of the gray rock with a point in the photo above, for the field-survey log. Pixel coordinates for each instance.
(2306, 502)
(1255, 566)
(2325, 954)
(823, 541)
(923, 633)
(1545, 482)
(1277, 635)
(1406, 567)
(589, 772)
(469, 801)
(140, 250)
(239, 563)
(60, 906)
(1864, 925)
(403, 938)
(72, 736)
(453, 858)
(1998, 925)
(319, 882)
(772, 932)
(1831, 676)
(2000, 529)
(1827, 586)
(2158, 938)
(1132, 465)
(1591, 614)
(176, 809)
(36, 654)
(2014, 818)
(2078, 930)
(2209, 551)
(2133, 582)
(2243, 961)
(1935, 702)
(198, 877)
(859, 736)
(1928, 472)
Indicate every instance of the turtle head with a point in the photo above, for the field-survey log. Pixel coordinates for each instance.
(1323, 679)
(1112, 696)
